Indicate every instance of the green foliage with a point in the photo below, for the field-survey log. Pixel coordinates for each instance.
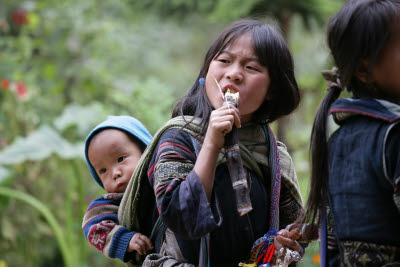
(39, 206)
(4, 175)
(39, 145)
(73, 64)
(228, 10)
(224, 10)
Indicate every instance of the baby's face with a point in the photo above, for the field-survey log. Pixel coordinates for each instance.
(114, 157)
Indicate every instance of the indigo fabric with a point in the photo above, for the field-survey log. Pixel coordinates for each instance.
(364, 168)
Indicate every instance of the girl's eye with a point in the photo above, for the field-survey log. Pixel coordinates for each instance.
(252, 68)
(103, 171)
(121, 159)
(223, 60)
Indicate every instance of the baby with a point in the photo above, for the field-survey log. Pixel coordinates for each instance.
(112, 151)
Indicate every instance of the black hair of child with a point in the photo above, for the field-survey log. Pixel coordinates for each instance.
(272, 52)
(356, 36)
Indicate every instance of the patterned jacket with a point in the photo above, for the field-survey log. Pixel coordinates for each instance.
(101, 229)
(183, 205)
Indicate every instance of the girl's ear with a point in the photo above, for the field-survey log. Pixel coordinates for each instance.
(362, 71)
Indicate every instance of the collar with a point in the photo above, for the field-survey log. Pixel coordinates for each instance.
(384, 110)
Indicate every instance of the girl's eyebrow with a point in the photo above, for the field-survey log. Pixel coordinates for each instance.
(232, 55)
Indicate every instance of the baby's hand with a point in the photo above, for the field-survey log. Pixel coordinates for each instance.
(140, 243)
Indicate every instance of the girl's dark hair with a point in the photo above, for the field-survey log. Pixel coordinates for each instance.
(357, 35)
(272, 52)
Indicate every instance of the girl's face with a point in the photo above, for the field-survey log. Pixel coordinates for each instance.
(386, 73)
(239, 69)
(114, 157)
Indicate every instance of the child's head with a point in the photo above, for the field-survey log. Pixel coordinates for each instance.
(113, 149)
(252, 58)
(364, 39)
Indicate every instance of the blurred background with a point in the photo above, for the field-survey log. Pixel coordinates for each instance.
(66, 65)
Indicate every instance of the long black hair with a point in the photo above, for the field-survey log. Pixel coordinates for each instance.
(357, 35)
(272, 52)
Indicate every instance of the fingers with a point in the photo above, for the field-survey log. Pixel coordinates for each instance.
(140, 243)
(294, 234)
(290, 238)
(220, 123)
(234, 112)
(147, 241)
(224, 118)
(284, 233)
(285, 241)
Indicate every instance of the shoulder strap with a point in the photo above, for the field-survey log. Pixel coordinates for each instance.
(275, 167)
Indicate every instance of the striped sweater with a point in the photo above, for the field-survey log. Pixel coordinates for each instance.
(101, 227)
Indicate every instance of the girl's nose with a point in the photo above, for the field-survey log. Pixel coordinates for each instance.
(234, 73)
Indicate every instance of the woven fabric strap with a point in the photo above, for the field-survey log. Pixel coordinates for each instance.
(275, 167)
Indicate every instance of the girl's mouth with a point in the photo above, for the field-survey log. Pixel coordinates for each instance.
(232, 88)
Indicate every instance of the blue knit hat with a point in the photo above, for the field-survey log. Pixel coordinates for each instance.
(127, 124)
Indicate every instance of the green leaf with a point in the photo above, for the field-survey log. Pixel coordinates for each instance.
(39, 145)
(4, 174)
(83, 117)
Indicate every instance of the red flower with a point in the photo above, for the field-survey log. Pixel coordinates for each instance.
(20, 17)
(21, 89)
(5, 83)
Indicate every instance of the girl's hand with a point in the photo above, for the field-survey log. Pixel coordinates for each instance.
(220, 123)
(140, 243)
(283, 240)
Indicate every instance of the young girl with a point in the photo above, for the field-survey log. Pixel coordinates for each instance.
(193, 188)
(188, 171)
(356, 173)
